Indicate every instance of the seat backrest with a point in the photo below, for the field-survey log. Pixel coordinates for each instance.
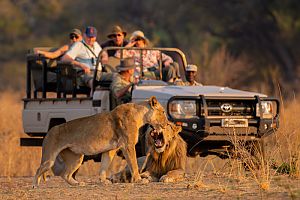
(68, 76)
(36, 63)
(112, 64)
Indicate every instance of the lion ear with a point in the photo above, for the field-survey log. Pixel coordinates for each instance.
(178, 128)
(153, 102)
(175, 128)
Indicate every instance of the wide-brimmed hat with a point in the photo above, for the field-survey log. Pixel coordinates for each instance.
(75, 31)
(126, 64)
(115, 30)
(191, 68)
(139, 34)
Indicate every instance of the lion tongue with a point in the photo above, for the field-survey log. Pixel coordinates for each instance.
(158, 143)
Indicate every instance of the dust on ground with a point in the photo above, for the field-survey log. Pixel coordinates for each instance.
(213, 187)
(207, 178)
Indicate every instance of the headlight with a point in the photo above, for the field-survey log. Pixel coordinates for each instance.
(268, 109)
(183, 109)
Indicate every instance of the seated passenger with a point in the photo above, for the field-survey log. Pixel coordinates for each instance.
(116, 39)
(190, 74)
(84, 55)
(150, 59)
(123, 81)
(75, 36)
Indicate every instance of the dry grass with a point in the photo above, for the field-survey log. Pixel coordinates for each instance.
(16, 160)
(282, 152)
(287, 140)
(226, 70)
(280, 156)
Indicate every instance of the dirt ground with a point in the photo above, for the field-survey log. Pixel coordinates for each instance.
(208, 178)
(214, 188)
(213, 184)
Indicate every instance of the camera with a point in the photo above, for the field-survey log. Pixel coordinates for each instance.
(138, 39)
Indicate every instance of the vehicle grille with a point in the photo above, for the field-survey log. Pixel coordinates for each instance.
(243, 108)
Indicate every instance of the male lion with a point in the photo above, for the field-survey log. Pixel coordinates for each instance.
(166, 157)
(101, 133)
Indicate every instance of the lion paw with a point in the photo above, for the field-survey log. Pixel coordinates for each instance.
(145, 174)
(166, 179)
(144, 181)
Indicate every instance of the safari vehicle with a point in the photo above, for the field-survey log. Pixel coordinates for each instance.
(209, 115)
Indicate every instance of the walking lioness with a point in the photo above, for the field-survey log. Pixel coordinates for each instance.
(105, 132)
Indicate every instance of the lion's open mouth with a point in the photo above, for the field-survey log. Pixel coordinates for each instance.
(158, 139)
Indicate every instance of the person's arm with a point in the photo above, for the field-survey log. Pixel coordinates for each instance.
(166, 59)
(126, 53)
(123, 91)
(72, 54)
(67, 58)
(118, 89)
(54, 54)
(131, 44)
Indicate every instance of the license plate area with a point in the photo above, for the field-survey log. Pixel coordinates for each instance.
(234, 123)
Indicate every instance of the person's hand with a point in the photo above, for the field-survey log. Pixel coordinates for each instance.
(131, 43)
(167, 63)
(136, 80)
(86, 69)
(38, 53)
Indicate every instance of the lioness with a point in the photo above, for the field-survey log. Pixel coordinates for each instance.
(101, 133)
(166, 157)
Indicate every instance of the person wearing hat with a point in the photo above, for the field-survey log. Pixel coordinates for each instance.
(150, 58)
(84, 55)
(190, 74)
(116, 39)
(74, 35)
(123, 81)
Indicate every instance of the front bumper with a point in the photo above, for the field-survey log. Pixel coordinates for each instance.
(207, 129)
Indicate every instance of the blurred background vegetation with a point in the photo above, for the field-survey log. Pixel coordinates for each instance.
(251, 45)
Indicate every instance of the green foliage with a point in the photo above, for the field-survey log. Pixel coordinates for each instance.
(265, 33)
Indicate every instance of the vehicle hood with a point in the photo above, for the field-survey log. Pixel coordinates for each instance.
(166, 92)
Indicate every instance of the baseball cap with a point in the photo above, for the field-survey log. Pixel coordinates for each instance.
(191, 68)
(91, 31)
(75, 31)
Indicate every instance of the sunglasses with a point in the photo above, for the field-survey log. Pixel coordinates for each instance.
(72, 36)
(138, 39)
(117, 35)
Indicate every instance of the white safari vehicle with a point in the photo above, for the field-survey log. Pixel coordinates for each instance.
(211, 116)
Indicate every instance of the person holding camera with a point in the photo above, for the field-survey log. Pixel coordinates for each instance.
(149, 59)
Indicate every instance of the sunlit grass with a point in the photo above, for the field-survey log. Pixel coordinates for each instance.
(280, 154)
(282, 149)
(16, 160)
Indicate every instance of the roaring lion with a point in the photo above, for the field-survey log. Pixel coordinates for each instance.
(101, 133)
(166, 157)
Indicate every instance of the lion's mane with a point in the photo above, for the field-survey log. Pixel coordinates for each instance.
(174, 156)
